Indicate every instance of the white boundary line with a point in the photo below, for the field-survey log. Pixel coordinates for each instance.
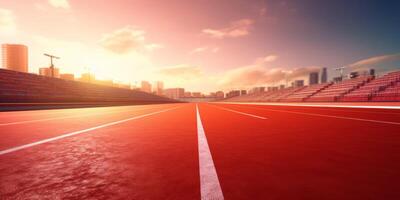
(331, 116)
(311, 105)
(210, 189)
(243, 113)
(67, 117)
(25, 146)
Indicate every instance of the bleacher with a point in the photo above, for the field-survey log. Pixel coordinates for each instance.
(305, 93)
(338, 89)
(26, 87)
(281, 94)
(390, 93)
(365, 92)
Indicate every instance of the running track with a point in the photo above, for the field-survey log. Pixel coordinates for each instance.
(208, 151)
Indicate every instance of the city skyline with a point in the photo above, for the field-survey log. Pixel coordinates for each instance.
(182, 46)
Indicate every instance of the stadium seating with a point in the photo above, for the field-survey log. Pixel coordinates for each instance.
(390, 93)
(338, 89)
(25, 87)
(365, 92)
(305, 93)
(281, 94)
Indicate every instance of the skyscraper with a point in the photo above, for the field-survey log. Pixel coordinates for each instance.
(313, 78)
(15, 57)
(174, 93)
(158, 87)
(324, 75)
(145, 87)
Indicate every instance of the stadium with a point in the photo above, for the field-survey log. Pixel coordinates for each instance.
(265, 130)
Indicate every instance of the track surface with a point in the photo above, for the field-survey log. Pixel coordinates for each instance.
(156, 152)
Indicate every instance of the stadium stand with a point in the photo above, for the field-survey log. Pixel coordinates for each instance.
(305, 93)
(390, 93)
(281, 94)
(365, 88)
(365, 92)
(25, 87)
(335, 91)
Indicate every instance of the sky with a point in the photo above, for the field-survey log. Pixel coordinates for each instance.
(205, 45)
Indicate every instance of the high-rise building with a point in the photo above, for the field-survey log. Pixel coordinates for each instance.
(46, 71)
(220, 94)
(70, 77)
(324, 75)
(256, 90)
(158, 87)
(145, 86)
(233, 93)
(15, 57)
(298, 83)
(243, 92)
(314, 76)
(174, 93)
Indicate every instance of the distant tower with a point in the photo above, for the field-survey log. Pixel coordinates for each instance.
(313, 78)
(372, 72)
(15, 57)
(324, 75)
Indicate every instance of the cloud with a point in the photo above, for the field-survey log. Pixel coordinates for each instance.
(126, 40)
(203, 49)
(374, 61)
(153, 46)
(60, 4)
(258, 74)
(7, 22)
(267, 59)
(181, 72)
(235, 29)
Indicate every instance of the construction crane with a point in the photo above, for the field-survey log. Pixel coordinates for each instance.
(340, 69)
(51, 62)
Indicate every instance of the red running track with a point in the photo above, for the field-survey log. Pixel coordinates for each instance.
(152, 152)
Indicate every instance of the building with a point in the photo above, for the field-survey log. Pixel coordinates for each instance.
(233, 93)
(314, 76)
(15, 57)
(243, 92)
(46, 71)
(88, 77)
(272, 88)
(298, 83)
(145, 86)
(324, 75)
(219, 95)
(197, 94)
(188, 94)
(158, 88)
(70, 77)
(174, 93)
(256, 90)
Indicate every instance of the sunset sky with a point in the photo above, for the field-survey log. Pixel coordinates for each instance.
(204, 45)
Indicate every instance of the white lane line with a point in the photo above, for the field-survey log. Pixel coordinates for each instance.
(210, 189)
(67, 117)
(332, 116)
(312, 105)
(17, 148)
(243, 113)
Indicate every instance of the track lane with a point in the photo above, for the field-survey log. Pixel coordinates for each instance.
(20, 134)
(149, 158)
(292, 157)
(388, 115)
